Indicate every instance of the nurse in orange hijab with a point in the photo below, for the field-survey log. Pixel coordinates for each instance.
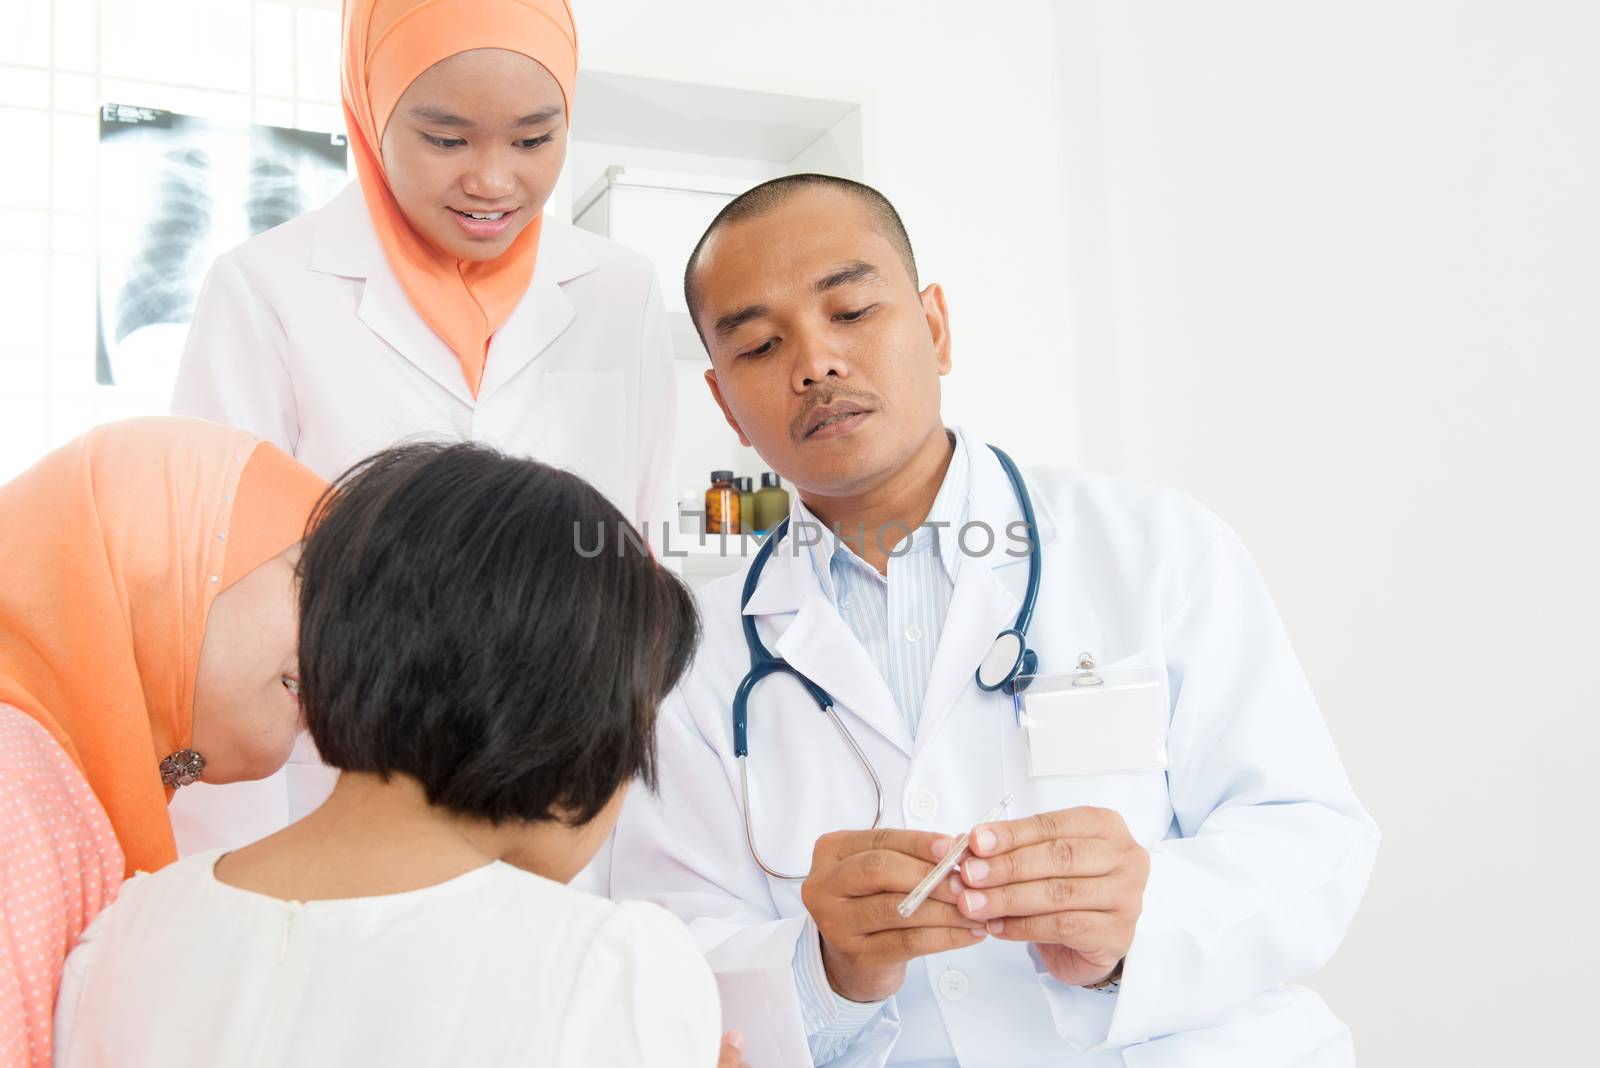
(436, 297)
(147, 641)
(436, 294)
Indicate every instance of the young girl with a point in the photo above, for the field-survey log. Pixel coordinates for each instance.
(487, 694)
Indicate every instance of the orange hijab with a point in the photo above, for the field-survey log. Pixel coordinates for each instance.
(387, 44)
(112, 549)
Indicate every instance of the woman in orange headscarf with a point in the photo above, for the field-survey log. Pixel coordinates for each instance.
(146, 640)
(435, 297)
(435, 294)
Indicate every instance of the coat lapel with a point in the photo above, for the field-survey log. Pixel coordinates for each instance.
(988, 589)
(347, 246)
(804, 629)
(981, 606)
(387, 310)
(544, 312)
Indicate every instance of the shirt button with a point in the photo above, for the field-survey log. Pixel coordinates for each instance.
(953, 985)
(845, 604)
(923, 803)
(913, 633)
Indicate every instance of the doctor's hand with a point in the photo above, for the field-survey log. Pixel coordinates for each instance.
(857, 879)
(1070, 881)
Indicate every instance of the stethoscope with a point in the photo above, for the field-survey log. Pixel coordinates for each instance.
(1008, 659)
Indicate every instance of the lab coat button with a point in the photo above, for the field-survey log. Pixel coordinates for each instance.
(953, 985)
(923, 803)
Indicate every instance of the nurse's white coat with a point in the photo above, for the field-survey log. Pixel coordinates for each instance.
(1259, 849)
(304, 336)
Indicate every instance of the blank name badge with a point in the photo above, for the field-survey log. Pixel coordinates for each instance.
(1094, 722)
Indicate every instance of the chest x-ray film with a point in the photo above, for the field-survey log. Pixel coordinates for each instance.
(1104, 721)
(176, 192)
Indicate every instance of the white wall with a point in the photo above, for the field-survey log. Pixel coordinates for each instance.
(958, 133)
(1335, 270)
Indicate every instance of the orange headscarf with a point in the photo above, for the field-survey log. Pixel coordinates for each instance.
(112, 549)
(387, 44)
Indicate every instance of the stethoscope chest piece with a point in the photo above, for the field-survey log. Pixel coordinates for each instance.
(1004, 661)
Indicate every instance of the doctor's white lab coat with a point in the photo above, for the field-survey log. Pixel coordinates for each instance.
(1259, 849)
(304, 336)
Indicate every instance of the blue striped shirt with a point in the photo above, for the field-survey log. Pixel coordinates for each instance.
(898, 617)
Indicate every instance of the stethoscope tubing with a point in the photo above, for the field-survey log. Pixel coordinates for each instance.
(763, 663)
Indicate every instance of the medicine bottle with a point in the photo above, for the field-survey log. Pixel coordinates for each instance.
(722, 504)
(772, 502)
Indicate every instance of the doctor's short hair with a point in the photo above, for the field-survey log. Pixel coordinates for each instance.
(450, 631)
(760, 199)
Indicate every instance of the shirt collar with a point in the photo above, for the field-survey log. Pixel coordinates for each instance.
(950, 506)
(950, 510)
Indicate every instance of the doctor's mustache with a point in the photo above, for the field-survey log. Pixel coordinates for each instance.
(826, 395)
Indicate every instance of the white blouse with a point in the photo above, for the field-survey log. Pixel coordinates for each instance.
(494, 967)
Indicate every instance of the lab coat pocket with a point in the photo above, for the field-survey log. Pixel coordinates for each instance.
(581, 428)
(1100, 721)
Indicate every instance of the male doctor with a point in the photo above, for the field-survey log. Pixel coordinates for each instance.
(1181, 841)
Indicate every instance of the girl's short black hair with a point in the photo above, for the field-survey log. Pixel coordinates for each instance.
(451, 631)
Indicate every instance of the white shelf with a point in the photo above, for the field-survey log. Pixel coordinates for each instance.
(702, 563)
(708, 120)
(712, 547)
